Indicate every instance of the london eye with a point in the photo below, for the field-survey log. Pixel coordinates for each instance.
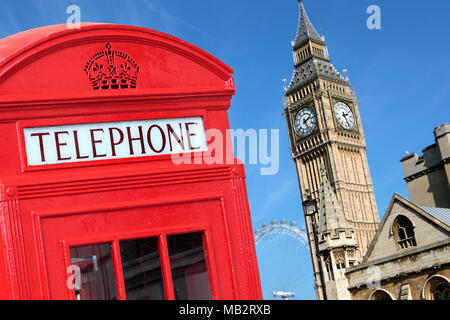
(284, 261)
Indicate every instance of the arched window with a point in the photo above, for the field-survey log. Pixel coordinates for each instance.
(380, 295)
(329, 267)
(437, 288)
(403, 231)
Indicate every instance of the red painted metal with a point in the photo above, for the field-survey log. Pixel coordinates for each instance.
(46, 209)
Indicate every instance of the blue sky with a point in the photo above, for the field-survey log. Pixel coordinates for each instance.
(400, 75)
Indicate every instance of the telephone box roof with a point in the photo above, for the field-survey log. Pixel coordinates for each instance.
(50, 62)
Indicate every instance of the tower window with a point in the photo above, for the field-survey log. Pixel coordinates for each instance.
(330, 273)
(403, 231)
(339, 257)
(340, 265)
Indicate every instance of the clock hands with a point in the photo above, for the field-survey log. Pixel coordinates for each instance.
(345, 117)
(305, 121)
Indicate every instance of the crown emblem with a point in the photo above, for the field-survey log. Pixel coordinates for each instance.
(111, 69)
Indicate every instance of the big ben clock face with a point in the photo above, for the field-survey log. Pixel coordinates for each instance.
(305, 121)
(344, 115)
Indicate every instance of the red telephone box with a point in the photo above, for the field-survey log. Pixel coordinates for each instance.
(107, 185)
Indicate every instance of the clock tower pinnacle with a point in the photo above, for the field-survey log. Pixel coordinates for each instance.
(325, 131)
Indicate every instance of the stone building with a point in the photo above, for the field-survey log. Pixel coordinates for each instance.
(428, 176)
(409, 257)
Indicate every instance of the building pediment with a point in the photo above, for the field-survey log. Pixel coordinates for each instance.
(427, 228)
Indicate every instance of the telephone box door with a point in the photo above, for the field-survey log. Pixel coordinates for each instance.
(141, 251)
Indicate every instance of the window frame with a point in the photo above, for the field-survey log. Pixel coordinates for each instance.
(161, 235)
(409, 240)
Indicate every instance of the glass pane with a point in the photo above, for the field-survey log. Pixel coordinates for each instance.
(142, 269)
(187, 261)
(96, 271)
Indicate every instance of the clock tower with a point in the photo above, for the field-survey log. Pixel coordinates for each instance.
(327, 142)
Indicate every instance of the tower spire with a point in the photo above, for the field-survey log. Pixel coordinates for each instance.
(337, 242)
(310, 53)
(306, 31)
(331, 215)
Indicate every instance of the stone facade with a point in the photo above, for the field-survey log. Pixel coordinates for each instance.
(428, 176)
(405, 266)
